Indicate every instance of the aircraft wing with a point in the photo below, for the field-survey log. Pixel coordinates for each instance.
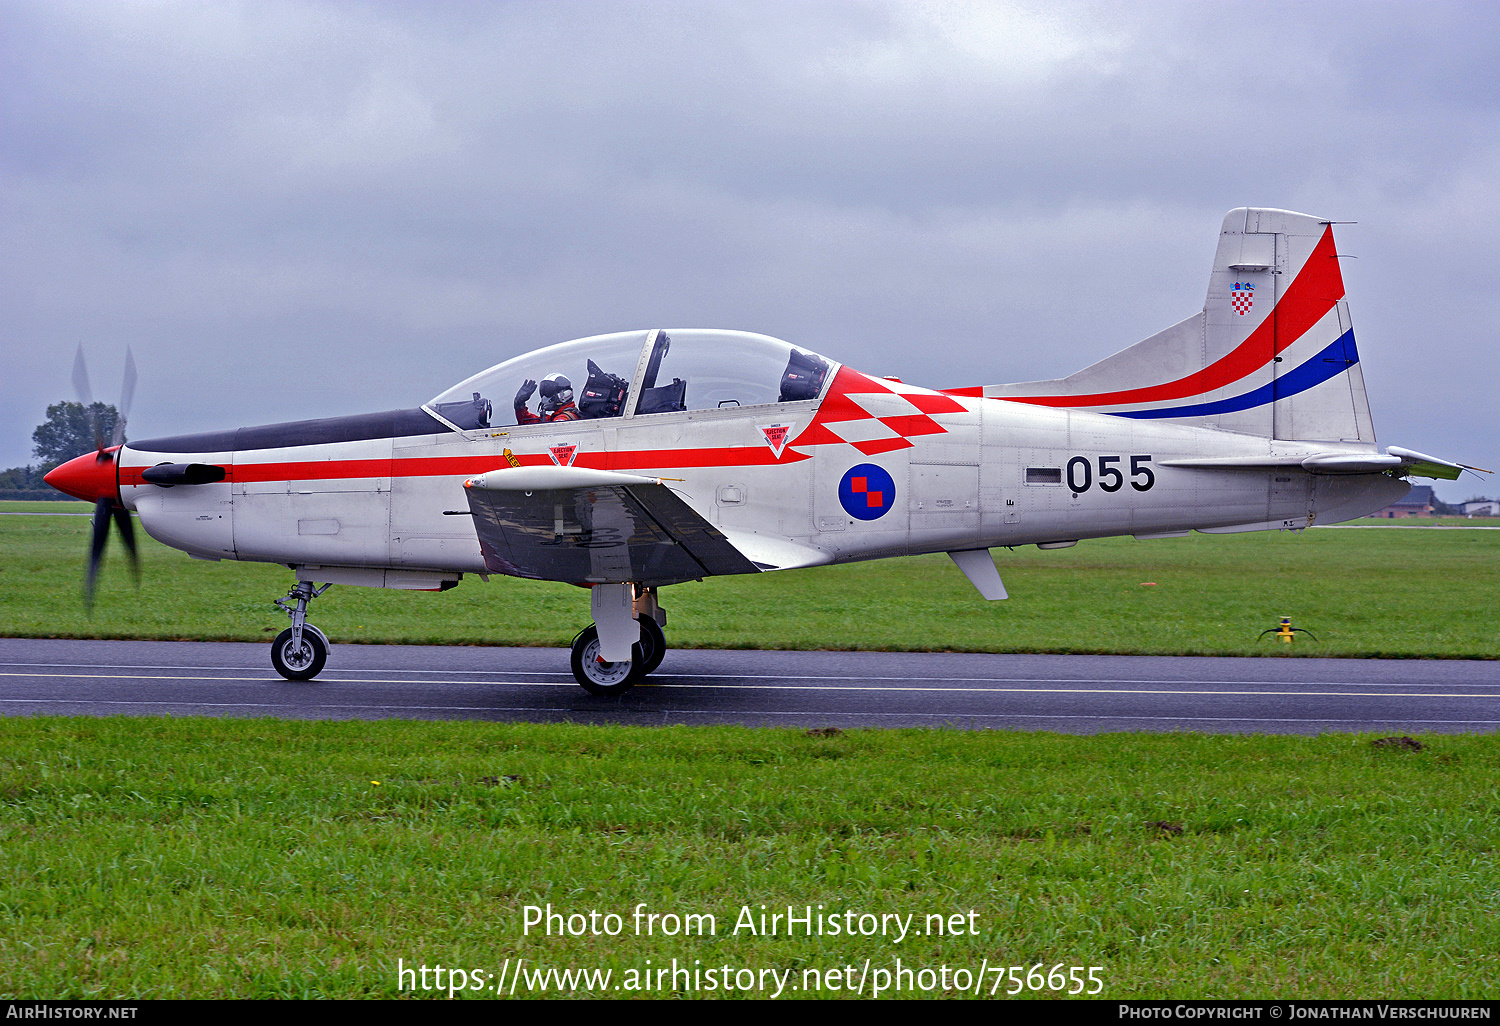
(594, 527)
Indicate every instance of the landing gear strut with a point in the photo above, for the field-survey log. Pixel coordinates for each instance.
(615, 606)
(299, 652)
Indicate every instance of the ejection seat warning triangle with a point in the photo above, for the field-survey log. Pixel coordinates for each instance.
(776, 436)
(563, 455)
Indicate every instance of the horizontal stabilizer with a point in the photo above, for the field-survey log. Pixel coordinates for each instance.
(1397, 461)
(1420, 465)
(1236, 462)
(1317, 463)
(1351, 463)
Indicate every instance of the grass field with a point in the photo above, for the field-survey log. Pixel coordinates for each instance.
(1413, 592)
(200, 858)
(242, 858)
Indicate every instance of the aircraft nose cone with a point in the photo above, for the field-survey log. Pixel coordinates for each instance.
(88, 477)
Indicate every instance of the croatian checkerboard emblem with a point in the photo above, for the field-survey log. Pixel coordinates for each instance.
(1242, 297)
(563, 455)
(867, 492)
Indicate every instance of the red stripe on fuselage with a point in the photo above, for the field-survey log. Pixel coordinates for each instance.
(730, 456)
(835, 407)
(472, 466)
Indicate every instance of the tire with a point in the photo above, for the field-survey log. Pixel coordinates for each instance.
(303, 663)
(599, 677)
(653, 645)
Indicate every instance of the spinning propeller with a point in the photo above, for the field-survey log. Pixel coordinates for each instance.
(94, 477)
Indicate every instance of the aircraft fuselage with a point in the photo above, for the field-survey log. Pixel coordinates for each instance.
(997, 474)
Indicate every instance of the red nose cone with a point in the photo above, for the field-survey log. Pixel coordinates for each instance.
(88, 477)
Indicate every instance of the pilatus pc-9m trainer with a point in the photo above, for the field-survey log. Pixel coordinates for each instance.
(628, 462)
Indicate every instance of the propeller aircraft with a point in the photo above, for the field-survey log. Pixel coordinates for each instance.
(686, 453)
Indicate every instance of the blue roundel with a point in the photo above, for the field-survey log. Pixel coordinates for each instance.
(867, 492)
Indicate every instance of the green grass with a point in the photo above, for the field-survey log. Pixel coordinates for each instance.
(255, 858)
(44, 506)
(1446, 521)
(1392, 593)
(242, 858)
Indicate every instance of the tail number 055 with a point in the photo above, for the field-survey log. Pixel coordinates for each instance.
(1111, 476)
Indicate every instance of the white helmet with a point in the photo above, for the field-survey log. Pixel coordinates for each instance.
(557, 392)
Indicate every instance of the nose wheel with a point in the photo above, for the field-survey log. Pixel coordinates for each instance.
(300, 659)
(299, 652)
(599, 676)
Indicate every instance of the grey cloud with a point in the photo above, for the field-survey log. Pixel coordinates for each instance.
(291, 209)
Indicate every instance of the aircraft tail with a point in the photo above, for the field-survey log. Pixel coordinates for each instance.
(1271, 353)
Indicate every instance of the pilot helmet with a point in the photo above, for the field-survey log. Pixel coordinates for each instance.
(557, 392)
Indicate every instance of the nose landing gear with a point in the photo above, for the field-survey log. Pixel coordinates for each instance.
(299, 652)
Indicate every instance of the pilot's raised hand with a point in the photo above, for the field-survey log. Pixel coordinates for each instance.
(528, 387)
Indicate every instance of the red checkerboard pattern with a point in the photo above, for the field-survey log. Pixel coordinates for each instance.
(876, 415)
(872, 499)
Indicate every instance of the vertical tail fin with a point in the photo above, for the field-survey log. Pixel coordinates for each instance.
(1272, 352)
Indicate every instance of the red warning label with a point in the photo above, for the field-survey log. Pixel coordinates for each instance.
(776, 436)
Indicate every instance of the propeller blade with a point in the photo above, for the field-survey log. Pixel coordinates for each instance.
(86, 396)
(81, 379)
(96, 550)
(127, 393)
(127, 535)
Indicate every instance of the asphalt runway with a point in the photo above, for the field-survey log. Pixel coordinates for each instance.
(1068, 694)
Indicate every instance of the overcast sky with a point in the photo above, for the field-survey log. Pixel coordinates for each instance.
(293, 210)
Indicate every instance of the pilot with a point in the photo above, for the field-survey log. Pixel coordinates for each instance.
(556, 402)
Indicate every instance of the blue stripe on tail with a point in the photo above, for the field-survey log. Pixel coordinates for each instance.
(1334, 360)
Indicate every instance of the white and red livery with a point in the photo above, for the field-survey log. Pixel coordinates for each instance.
(698, 452)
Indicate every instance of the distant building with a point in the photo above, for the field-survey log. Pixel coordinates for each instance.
(1418, 503)
(1482, 508)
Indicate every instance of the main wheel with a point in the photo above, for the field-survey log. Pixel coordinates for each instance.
(303, 662)
(653, 645)
(598, 676)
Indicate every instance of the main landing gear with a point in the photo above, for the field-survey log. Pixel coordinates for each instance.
(623, 645)
(299, 652)
(623, 615)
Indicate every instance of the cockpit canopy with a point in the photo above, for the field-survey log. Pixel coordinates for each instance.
(633, 374)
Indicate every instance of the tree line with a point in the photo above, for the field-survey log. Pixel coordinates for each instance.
(71, 429)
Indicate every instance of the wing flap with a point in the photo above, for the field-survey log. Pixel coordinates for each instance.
(774, 553)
